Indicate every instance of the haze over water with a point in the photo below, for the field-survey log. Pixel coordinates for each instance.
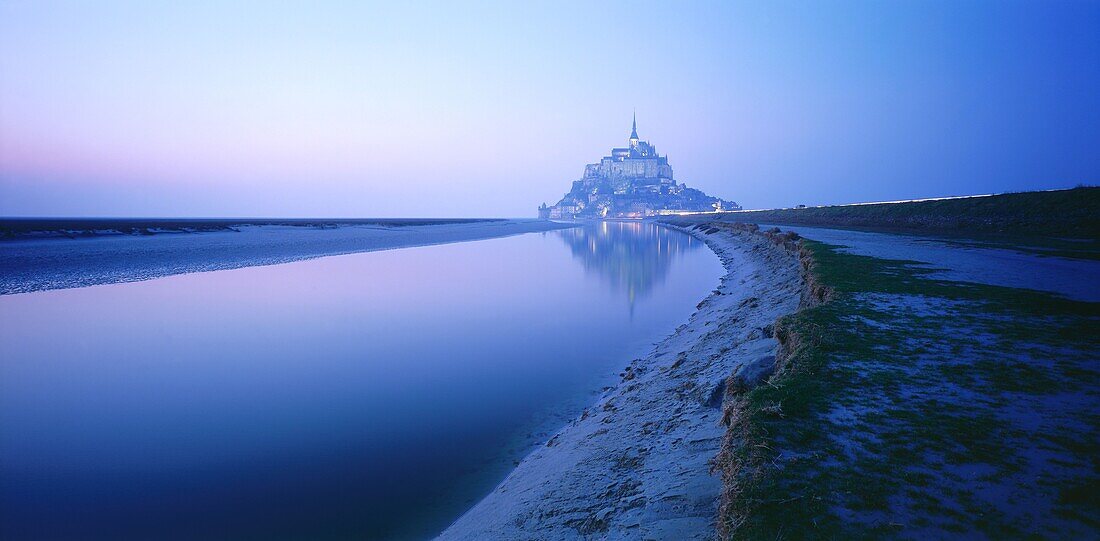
(366, 395)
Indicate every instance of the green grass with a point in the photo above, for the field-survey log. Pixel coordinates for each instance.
(1041, 221)
(865, 429)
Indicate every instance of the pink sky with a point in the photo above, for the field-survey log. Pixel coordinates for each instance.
(342, 109)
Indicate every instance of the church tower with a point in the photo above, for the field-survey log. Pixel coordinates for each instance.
(634, 132)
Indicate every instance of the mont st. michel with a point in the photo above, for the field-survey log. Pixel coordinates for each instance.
(633, 182)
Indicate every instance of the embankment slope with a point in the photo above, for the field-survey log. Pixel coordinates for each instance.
(1059, 213)
(920, 402)
(637, 465)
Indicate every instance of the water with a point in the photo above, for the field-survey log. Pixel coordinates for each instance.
(373, 395)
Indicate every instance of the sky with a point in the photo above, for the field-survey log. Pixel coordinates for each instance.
(351, 109)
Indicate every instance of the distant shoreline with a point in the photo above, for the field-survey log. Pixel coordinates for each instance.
(1054, 213)
(61, 262)
(14, 228)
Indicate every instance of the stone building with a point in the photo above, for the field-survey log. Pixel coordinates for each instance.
(633, 182)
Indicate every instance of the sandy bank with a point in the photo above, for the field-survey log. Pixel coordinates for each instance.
(636, 465)
(57, 263)
(16, 229)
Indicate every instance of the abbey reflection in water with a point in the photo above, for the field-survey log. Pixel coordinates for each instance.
(631, 256)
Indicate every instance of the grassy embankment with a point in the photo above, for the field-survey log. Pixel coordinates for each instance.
(907, 406)
(1064, 222)
(913, 407)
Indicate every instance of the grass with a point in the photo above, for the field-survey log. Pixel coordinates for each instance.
(1063, 222)
(914, 407)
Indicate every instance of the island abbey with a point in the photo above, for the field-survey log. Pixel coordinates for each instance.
(633, 182)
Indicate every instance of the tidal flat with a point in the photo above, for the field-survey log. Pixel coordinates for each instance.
(41, 254)
(837, 393)
(363, 395)
(831, 382)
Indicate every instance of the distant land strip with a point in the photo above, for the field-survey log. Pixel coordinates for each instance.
(23, 228)
(1059, 213)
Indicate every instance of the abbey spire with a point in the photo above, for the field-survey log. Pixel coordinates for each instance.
(633, 182)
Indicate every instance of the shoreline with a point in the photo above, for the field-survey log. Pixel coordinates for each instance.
(1051, 213)
(17, 228)
(60, 263)
(637, 464)
(919, 394)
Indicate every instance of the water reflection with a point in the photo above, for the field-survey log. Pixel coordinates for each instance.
(633, 257)
(366, 396)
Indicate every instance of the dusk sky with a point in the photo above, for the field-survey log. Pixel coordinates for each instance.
(350, 110)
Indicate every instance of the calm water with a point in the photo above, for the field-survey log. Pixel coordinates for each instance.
(373, 395)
